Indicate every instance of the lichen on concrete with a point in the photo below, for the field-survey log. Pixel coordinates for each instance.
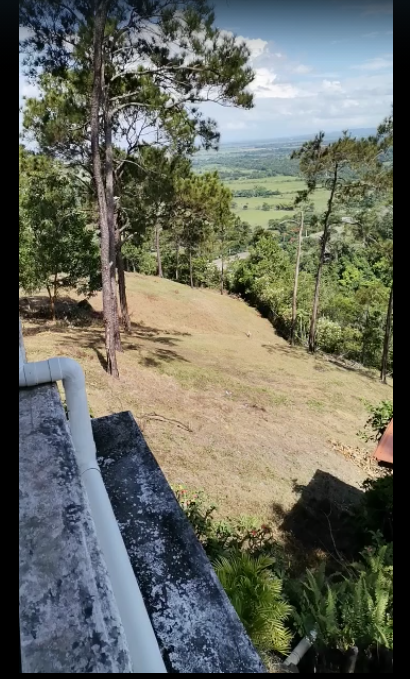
(195, 624)
(69, 622)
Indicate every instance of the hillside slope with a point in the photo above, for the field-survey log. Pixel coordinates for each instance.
(251, 415)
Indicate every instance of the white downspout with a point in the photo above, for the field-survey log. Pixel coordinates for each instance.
(145, 654)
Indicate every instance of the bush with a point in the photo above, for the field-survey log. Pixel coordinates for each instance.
(380, 418)
(329, 336)
(224, 538)
(257, 598)
(354, 610)
(345, 610)
(139, 259)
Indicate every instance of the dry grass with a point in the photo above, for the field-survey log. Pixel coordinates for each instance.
(262, 415)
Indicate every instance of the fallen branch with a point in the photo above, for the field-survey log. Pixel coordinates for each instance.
(160, 418)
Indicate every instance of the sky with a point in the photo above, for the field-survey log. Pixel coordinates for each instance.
(319, 65)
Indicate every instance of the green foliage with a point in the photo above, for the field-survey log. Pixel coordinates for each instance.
(257, 598)
(375, 514)
(139, 259)
(224, 538)
(265, 278)
(247, 560)
(57, 247)
(329, 336)
(354, 610)
(380, 417)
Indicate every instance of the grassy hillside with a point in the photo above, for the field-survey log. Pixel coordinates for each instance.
(241, 417)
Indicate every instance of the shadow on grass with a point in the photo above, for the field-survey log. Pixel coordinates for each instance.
(144, 332)
(89, 325)
(321, 521)
(349, 367)
(68, 312)
(294, 352)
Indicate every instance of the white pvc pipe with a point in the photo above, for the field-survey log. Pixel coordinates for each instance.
(71, 375)
(145, 654)
(301, 649)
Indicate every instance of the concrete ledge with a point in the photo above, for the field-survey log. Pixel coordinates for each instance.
(197, 628)
(69, 620)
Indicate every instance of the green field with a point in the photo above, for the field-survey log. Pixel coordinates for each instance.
(288, 186)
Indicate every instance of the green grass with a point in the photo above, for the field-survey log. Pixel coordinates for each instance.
(289, 188)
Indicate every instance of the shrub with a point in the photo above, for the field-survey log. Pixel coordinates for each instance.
(257, 598)
(355, 610)
(140, 259)
(345, 610)
(329, 336)
(224, 538)
(380, 418)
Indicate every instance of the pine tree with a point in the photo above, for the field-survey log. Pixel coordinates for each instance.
(150, 63)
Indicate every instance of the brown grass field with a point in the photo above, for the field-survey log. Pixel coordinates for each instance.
(240, 417)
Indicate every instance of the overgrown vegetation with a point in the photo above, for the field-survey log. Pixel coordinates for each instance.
(354, 295)
(348, 612)
(353, 611)
(380, 417)
(257, 597)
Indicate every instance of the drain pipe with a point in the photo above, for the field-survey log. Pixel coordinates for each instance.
(300, 651)
(145, 654)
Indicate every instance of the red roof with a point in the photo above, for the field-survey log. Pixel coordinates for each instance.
(384, 452)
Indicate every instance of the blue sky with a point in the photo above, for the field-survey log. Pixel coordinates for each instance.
(320, 64)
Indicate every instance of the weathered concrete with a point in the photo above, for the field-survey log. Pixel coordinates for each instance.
(196, 626)
(69, 621)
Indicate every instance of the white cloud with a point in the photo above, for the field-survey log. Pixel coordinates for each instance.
(240, 125)
(356, 100)
(257, 47)
(265, 86)
(377, 64)
(332, 86)
(26, 89)
(370, 36)
(24, 33)
(267, 64)
(302, 69)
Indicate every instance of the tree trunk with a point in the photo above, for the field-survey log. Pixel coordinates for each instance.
(111, 215)
(222, 275)
(52, 304)
(122, 289)
(100, 17)
(325, 240)
(387, 338)
(191, 269)
(296, 286)
(177, 262)
(158, 248)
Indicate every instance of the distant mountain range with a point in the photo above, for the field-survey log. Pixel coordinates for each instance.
(330, 136)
